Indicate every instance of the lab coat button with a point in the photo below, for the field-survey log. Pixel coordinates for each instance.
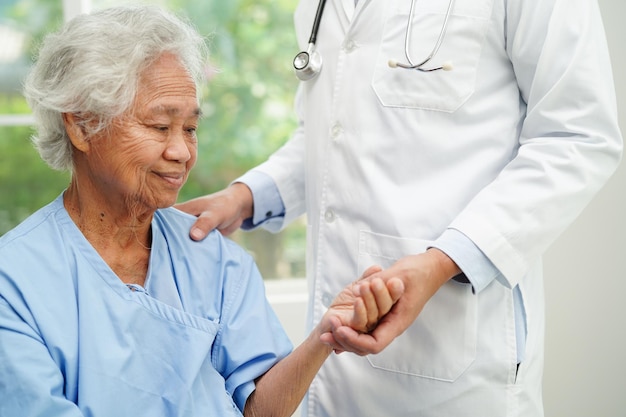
(327, 299)
(349, 45)
(329, 216)
(336, 131)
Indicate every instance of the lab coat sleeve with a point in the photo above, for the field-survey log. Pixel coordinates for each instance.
(476, 267)
(268, 205)
(570, 142)
(31, 383)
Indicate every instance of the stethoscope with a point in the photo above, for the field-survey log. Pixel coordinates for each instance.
(308, 64)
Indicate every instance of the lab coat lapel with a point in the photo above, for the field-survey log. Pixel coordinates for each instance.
(348, 7)
(359, 6)
(344, 15)
(349, 14)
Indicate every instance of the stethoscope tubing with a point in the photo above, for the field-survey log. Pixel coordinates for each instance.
(308, 64)
(316, 22)
(407, 37)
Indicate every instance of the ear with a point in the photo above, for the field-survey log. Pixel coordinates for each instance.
(76, 131)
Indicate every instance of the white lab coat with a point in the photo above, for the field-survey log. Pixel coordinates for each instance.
(507, 148)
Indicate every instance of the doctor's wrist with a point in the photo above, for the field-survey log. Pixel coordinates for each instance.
(444, 267)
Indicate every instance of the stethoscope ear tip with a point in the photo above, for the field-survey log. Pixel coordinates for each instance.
(447, 66)
(392, 64)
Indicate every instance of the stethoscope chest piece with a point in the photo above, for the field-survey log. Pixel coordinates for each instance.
(307, 64)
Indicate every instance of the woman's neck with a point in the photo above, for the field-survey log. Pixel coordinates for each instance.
(119, 234)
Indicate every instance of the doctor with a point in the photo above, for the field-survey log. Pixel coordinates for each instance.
(456, 180)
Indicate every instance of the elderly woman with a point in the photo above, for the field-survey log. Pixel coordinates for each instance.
(106, 307)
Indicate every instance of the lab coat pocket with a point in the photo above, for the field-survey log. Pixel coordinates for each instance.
(441, 343)
(461, 47)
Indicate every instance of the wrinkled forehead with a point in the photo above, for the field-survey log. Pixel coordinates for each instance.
(174, 111)
(165, 87)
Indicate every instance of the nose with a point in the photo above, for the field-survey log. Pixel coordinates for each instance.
(179, 148)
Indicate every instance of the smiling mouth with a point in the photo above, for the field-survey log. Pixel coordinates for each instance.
(175, 179)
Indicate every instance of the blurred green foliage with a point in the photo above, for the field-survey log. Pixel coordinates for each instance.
(26, 182)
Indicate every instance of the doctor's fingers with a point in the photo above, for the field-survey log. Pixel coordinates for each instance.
(212, 213)
(337, 328)
(346, 339)
(210, 219)
(392, 325)
(224, 210)
(205, 222)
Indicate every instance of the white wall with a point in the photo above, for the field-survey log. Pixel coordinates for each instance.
(586, 285)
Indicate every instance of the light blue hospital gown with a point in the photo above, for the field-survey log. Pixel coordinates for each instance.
(76, 341)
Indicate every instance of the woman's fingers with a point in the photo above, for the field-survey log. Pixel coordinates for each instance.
(396, 288)
(371, 271)
(378, 298)
(370, 302)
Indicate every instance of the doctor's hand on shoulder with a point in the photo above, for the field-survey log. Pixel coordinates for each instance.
(421, 275)
(224, 210)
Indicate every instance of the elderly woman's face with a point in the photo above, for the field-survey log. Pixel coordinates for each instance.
(148, 154)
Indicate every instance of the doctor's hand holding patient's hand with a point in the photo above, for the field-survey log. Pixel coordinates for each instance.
(224, 210)
(369, 299)
(421, 275)
(360, 306)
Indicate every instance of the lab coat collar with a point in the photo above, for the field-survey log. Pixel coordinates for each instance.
(349, 11)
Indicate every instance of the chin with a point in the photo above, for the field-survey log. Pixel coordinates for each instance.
(168, 202)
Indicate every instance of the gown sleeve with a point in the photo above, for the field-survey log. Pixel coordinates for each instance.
(31, 383)
(251, 339)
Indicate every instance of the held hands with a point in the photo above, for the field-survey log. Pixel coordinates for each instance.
(224, 210)
(421, 275)
(360, 306)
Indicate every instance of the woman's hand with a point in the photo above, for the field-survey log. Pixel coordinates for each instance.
(361, 305)
(422, 276)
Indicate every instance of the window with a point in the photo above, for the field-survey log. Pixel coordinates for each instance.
(247, 106)
(26, 183)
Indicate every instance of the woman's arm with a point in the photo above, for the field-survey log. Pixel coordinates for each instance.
(361, 305)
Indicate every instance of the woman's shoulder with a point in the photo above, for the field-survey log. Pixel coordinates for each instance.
(175, 226)
(34, 229)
